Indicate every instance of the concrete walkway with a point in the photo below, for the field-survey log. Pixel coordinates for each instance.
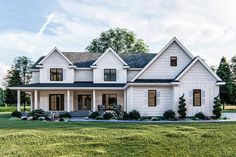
(231, 117)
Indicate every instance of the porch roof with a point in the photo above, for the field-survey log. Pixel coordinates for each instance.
(75, 85)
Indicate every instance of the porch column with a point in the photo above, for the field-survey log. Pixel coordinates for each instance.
(18, 100)
(68, 100)
(94, 101)
(125, 101)
(36, 99)
(31, 101)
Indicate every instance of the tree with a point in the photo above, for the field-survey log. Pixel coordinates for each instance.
(182, 109)
(2, 97)
(233, 66)
(19, 74)
(120, 40)
(226, 91)
(217, 107)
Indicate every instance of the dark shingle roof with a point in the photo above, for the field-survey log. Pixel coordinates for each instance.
(75, 84)
(86, 59)
(154, 80)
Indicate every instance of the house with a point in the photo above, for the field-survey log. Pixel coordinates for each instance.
(149, 83)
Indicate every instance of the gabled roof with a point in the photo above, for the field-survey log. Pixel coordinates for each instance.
(86, 59)
(107, 51)
(192, 63)
(53, 51)
(160, 53)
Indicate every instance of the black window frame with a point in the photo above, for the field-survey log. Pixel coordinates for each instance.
(58, 75)
(109, 74)
(194, 97)
(58, 107)
(155, 98)
(173, 61)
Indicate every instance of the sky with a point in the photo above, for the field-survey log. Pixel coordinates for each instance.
(33, 27)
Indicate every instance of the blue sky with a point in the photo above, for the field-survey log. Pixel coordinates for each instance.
(33, 27)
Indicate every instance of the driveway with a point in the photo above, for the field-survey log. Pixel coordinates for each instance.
(231, 116)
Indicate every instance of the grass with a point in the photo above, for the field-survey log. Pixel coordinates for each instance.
(12, 108)
(35, 138)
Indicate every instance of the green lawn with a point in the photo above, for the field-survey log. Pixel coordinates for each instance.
(12, 108)
(35, 138)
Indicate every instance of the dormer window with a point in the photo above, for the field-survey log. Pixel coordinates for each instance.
(56, 74)
(173, 61)
(109, 74)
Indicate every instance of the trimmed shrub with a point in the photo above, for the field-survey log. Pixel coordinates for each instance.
(126, 116)
(65, 115)
(200, 115)
(134, 114)
(182, 109)
(94, 115)
(61, 119)
(169, 115)
(37, 113)
(108, 115)
(16, 114)
(217, 107)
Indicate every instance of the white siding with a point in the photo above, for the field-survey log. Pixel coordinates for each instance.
(197, 78)
(109, 61)
(132, 74)
(138, 100)
(83, 75)
(55, 60)
(161, 68)
(35, 77)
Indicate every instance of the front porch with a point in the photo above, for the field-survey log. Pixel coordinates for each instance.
(76, 101)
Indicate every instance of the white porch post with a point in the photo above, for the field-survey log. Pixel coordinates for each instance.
(31, 101)
(94, 100)
(125, 101)
(18, 100)
(36, 99)
(68, 100)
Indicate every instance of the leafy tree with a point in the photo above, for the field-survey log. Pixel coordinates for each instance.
(182, 109)
(226, 91)
(19, 74)
(120, 40)
(217, 107)
(2, 96)
(233, 66)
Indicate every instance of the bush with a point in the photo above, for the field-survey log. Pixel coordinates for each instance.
(61, 119)
(65, 115)
(16, 114)
(217, 107)
(169, 115)
(94, 115)
(126, 116)
(108, 115)
(200, 115)
(182, 109)
(37, 113)
(99, 118)
(134, 115)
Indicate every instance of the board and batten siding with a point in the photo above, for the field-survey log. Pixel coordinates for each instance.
(131, 74)
(55, 60)
(197, 78)
(161, 69)
(35, 77)
(83, 75)
(109, 61)
(139, 101)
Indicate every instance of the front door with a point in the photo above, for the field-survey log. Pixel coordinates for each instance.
(84, 102)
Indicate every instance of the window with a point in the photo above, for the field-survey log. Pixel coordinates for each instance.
(151, 98)
(109, 100)
(56, 74)
(173, 61)
(56, 102)
(109, 74)
(197, 97)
